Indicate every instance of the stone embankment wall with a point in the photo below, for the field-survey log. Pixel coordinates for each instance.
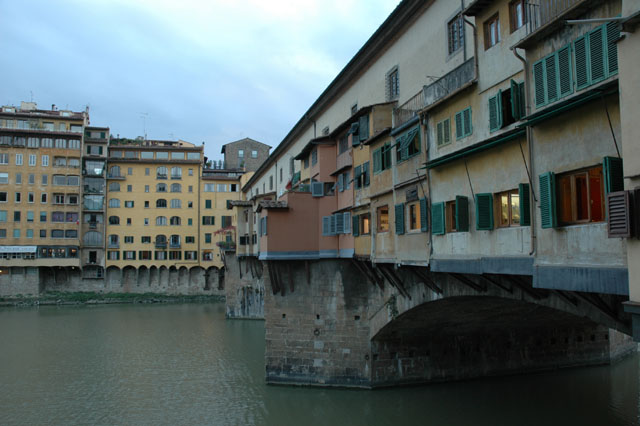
(33, 281)
(244, 287)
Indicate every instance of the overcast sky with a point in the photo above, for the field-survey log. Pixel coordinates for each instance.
(213, 71)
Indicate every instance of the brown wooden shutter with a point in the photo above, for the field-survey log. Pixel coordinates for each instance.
(619, 214)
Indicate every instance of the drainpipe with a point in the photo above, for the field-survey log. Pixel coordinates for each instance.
(529, 134)
(428, 173)
(475, 47)
(464, 38)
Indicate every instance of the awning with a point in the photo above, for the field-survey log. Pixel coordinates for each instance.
(475, 148)
(18, 249)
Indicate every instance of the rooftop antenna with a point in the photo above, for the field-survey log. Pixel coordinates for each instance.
(144, 116)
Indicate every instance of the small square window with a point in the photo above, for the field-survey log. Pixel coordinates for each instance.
(392, 84)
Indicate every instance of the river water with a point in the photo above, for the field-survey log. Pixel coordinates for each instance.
(186, 364)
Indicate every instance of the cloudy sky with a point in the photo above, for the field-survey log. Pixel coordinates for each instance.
(213, 71)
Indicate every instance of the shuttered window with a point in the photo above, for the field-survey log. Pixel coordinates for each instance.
(463, 123)
(357, 177)
(364, 128)
(366, 174)
(525, 204)
(484, 212)
(399, 213)
(437, 219)
(613, 175)
(424, 225)
(462, 213)
(443, 130)
(495, 112)
(553, 77)
(355, 223)
(377, 161)
(619, 215)
(347, 223)
(548, 217)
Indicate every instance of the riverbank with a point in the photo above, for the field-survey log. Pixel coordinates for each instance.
(92, 298)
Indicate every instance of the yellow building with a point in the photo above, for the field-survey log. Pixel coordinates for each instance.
(40, 177)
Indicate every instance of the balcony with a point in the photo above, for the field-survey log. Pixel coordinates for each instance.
(408, 110)
(115, 176)
(546, 16)
(450, 83)
(161, 244)
(173, 245)
(226, 245)
(113, 245)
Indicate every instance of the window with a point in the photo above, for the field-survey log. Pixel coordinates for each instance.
(161, 221)
(383, 218)
(190, 240)
(146, 155)
(162, 155)
(61, 143)
(176, 187)
(4, 177)
(408, 145)
(240, 153)
(46, 143)
(491, 31)
(57, 217)
(161, 172)
(413, 213)
(43, 216)
(443, 132)
(16, 233)
(146, 188)
(161, 187)
(146, 221)
(145, 240)
(114, 187)
(455, 34)
(580, 196)
(43, 198)
(209, 187)
(114, 171)
(254, 154)
(129, 255)
(59, 162)
(161, 203)
(314, 157)
(113, 255)
(382, 158)
(114, 203)
(73, 180)
(508, 208)
(114, 220)
(144, 255)
(43, 233)
(128, 204)
(3, 215)
(517, 14)
(176, 204)
(207, 238)
(129, 171)
(33, 142)
(18, 197)
(208, 220)
(270, 183)
(175, 221)
(32, 179)
(3, 233)
(463, 123)
(392, 84)
(147, 171)
(129, 188)
(176, 173)
(18, 178)
(146, 204)
(4, 158)
(190, 172)
(457, 215)
(31, 198)
(18, 159)
(506, 106)
(207, 204)
(177, 155)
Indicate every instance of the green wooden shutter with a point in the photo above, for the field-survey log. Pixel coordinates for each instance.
(484, 212)
(340, 182)
(399, 219)
(493, 113)
(367, 173)
(548, 218)
(386, 156)
(440, 133)
(437, 219)
(462, 213)
(613, 34)
(565, 71)
(551, 77)
(424, 225)
(446, 131)
(356, 177)
(103, 135)
(459, 130)
(538, 83)
(355, 226)
(523, 101)
(515, 101)
(364, 128)
(580, 59)
(525, 204)
(613, 175)
(377, 160)
(466, 121)
(597, 54)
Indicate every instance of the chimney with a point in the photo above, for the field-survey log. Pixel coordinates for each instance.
(53, 107)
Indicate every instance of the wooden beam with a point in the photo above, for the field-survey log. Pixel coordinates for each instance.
(497, 283)
(466, 281)
(425, 278)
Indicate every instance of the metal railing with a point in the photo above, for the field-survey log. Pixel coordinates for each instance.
(408, 110)
(541, 12)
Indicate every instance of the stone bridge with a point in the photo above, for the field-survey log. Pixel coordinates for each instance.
(344, 322)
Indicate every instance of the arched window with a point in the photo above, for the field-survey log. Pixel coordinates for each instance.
(161, 241)
(161, 187)
(114, 171)
(114, 203)
(161, 221)
(175, 220)
(114, 186)
(114, 220)
(92, 238)
(161, 203)
(161, 172)
(176, 173)
(176, 187)
(175, 241)
(176, 204)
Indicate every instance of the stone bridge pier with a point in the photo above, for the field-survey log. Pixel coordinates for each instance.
(350, 323)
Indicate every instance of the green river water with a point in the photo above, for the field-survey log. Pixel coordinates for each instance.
(185, 364)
